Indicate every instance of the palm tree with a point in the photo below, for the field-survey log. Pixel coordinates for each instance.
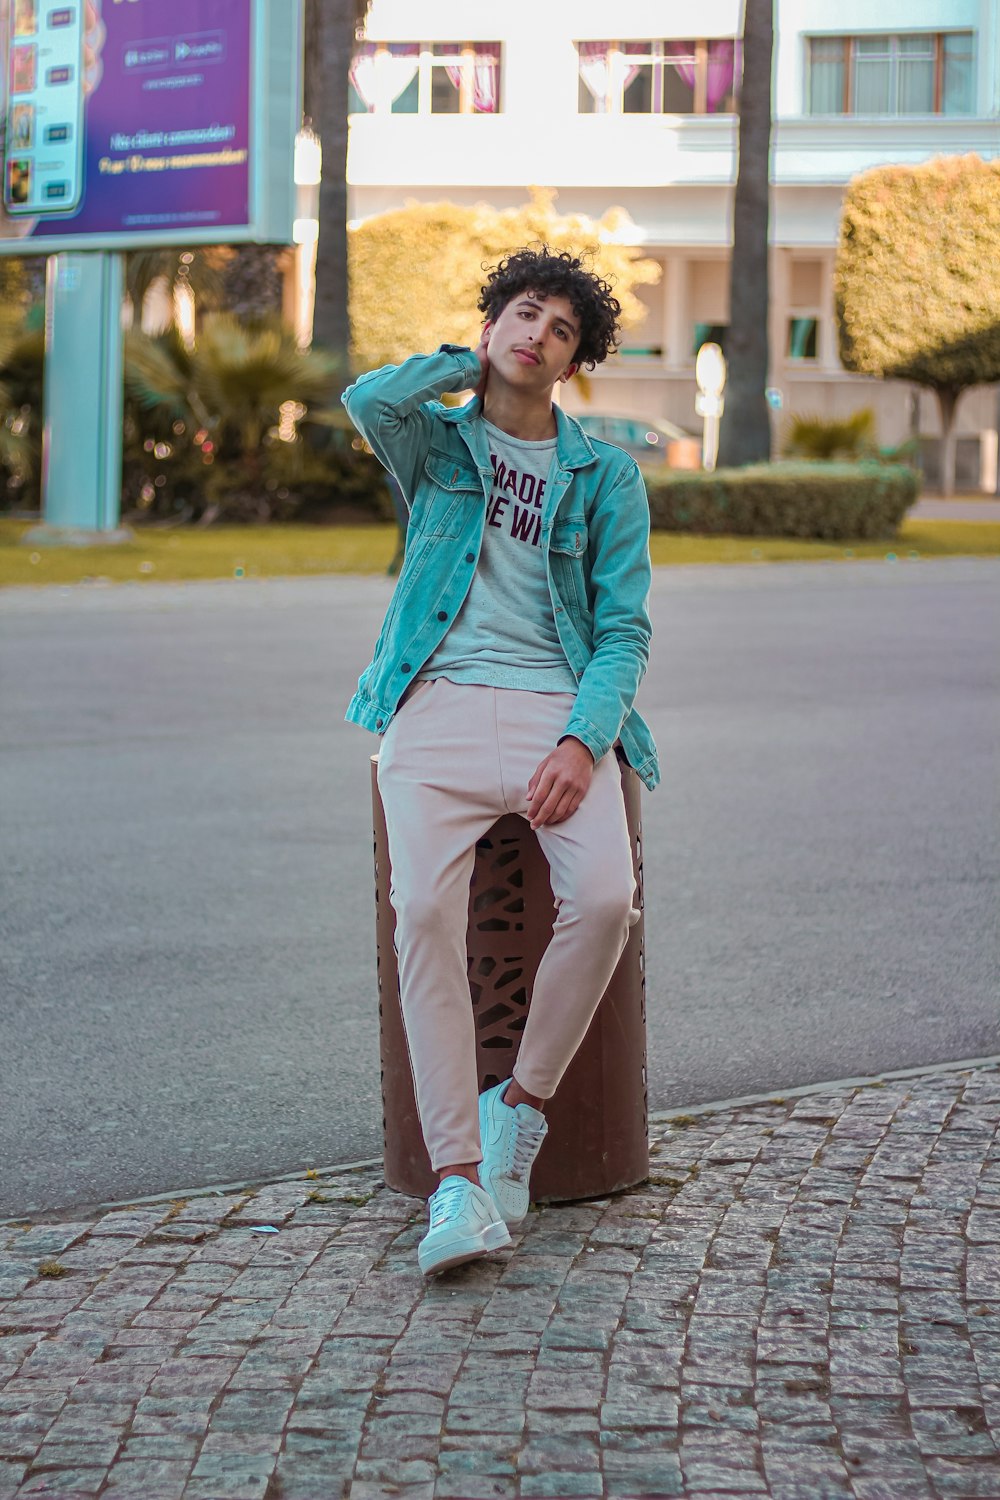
(331, 31)
(746, 424)
(197, 269)
(219, 403)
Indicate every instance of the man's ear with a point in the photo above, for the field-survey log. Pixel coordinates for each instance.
(568, 373)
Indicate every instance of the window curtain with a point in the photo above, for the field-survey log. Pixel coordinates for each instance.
(486, 79)
(826, 76)
(379, 80)
(686, 69)
(626, 72)
(958, 89)
(721, 72)
(916, 75)
(873, 76)
(595, 72)
(363, 71)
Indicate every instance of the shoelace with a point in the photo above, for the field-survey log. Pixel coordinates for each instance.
(525, 1142)
(444, 1202)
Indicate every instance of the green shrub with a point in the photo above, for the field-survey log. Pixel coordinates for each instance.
(242, 427)
(829, 502)
(831, 437)
(22, 348)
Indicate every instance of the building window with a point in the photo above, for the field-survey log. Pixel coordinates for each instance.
(440, 78)
(687, 77)
(709, 333)
(803, 338)
(921, 73)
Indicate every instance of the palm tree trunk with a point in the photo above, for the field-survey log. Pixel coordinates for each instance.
(330, 27)
(746, 423)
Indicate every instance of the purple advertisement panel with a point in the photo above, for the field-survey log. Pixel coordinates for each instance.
(124, 117)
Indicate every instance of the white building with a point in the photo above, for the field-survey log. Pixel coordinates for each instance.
(631, 104)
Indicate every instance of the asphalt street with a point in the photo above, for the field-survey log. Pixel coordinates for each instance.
(187, 928)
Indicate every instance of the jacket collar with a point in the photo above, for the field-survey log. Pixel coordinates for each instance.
(573, 448)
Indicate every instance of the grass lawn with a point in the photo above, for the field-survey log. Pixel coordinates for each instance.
(282, 551)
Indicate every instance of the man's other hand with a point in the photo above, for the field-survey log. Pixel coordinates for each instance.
(560, 783)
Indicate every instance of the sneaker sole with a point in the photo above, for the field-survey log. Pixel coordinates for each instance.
(493, 1237)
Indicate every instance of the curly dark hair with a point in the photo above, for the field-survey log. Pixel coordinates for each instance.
(548, 273)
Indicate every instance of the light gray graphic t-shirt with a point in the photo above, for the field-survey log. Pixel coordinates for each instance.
(505, 633)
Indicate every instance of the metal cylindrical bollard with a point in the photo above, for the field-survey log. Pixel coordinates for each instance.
(598, 1121)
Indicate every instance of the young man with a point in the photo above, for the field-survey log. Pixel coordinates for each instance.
(502, 681)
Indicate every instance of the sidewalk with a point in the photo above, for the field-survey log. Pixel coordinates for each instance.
(970, 508)
(803, 1303)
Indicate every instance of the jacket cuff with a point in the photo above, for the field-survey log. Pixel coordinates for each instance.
(468, 358)
(580, 729)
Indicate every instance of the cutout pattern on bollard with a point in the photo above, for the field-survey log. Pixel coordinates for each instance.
(497, 979)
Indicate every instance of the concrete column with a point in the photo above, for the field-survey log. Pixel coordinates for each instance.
(780, 280)
(676, 310)
(82, 435)
(829, 359)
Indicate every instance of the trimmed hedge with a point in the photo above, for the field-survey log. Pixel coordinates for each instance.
(825, 501)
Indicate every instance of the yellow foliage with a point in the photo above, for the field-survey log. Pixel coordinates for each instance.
(917, 279)
(417, 272)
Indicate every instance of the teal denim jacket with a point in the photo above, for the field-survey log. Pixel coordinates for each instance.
(595, 538)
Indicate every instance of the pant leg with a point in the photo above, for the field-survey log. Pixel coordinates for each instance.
(438, 779)
(593, 884)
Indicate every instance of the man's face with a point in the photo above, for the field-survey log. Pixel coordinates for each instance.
(534, 340)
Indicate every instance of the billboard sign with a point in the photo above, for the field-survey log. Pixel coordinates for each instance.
(131, 122)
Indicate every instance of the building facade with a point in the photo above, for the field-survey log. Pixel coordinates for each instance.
(632, 105)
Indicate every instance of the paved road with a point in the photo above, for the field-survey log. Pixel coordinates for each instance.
(801, 1304)
(187, 927)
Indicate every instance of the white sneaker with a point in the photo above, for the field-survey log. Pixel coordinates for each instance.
(464, 1225)
(511, 1139)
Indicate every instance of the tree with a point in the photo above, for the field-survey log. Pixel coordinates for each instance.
(331, 30)
(427, 296)
(746, 423)
(228, 407)
(917, 280)
(197, 268)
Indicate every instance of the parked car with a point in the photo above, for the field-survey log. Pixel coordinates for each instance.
(647, 441)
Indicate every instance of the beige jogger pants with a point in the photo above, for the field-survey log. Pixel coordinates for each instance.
(454, 759)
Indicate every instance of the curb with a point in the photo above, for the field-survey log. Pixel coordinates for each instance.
(657, 1117)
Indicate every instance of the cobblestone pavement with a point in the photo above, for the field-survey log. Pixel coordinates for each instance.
(803, 1303)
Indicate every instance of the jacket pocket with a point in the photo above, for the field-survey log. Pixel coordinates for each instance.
(569, 538)
(446, 490)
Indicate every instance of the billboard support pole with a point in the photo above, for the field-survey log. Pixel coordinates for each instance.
(83, 408)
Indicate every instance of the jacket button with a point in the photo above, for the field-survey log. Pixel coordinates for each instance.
(405, 667)
(470, 557)
(379, 723)
(442, 614)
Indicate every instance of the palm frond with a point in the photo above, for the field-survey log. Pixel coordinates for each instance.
(245, 372)
(155, 375)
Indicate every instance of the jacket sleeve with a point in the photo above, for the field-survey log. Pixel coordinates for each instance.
(392, 407)
(620, 576)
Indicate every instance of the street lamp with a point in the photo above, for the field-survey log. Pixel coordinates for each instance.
(308, 170)
(710, 374)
